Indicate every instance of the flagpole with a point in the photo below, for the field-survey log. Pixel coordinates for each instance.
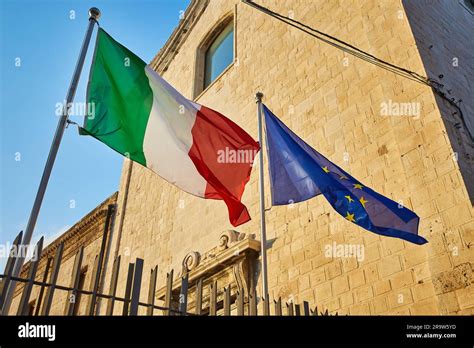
(94, 14)
(263, 232)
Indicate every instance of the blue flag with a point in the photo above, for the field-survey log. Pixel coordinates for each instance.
(298, 172)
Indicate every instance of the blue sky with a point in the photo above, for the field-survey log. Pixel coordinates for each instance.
(40, 43)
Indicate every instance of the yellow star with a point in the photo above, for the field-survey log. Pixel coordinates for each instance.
(343, 177)
(363, 201)
(350, 217)
(358, 186)
(326, 170)
(350, 199)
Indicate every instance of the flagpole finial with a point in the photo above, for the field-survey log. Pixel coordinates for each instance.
(94, 13)
(258, 97)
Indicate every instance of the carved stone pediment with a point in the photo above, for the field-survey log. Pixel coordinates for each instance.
(231, 263)
(190, 262)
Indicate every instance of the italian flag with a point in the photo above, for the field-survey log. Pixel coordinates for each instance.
(138, 114)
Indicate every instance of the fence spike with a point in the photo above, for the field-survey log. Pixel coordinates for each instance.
(240, 302)
(93, 287)
(9, 268)
(227, 301)
(289, 308)
(54, 278)
(98, 279)
(39, 299)
(183, 295)
(169, 293)
(74, 284)
(113, 286)
(136, 286)
(253, 302)
(199, 297)
(306, 309)
(128, 289)
(25, 296)
(297, 310)
(278, 306)
(266, 305)
(213, 298)
(151, 290)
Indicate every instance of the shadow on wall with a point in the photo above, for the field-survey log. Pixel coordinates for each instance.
(442, 31)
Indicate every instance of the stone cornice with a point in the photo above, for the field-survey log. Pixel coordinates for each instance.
(81, 227)
(233, 247)
(178, 37)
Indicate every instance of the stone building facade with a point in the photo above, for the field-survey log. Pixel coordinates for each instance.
(87, 233)
(334, 102)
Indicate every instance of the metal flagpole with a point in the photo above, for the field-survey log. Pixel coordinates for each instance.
(263, 233)
(94, 15)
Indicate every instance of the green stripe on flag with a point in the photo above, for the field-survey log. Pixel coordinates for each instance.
(121, 97)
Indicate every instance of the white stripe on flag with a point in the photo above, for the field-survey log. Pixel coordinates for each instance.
(168, 137)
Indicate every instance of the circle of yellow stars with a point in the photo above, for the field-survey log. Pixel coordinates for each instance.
(350, 217)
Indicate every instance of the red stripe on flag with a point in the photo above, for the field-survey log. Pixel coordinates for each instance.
(223, 154)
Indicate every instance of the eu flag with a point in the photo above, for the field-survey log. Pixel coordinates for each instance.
(298, 172)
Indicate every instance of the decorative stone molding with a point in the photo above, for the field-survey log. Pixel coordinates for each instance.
(231, 263)
(243, 277)
(190, 261)
(229, 237)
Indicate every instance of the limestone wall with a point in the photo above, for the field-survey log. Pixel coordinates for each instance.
(442, 32)
(333, 101)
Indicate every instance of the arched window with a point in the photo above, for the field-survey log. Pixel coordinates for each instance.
(219, 55)
(215, 54)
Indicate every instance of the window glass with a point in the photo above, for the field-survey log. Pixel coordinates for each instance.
(219, 55)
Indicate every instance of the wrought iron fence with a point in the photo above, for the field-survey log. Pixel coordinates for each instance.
(225, 304)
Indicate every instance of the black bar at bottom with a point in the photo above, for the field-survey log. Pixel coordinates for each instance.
(394, 330)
